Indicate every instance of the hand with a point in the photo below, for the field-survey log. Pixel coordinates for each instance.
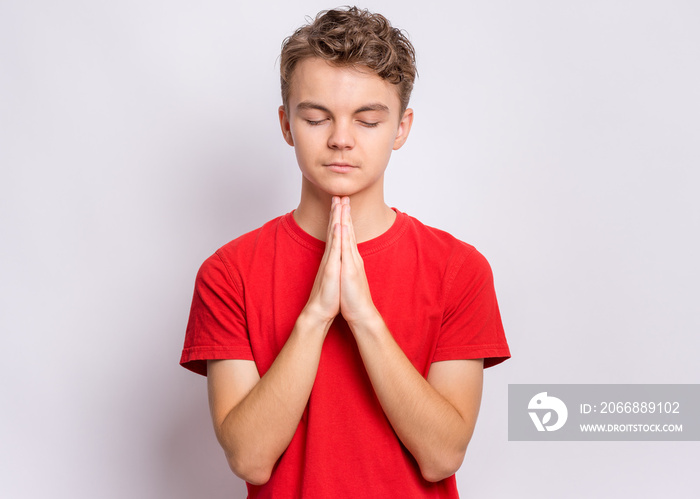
(356, 303)
(324, 300)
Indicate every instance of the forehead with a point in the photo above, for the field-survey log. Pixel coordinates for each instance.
(340, 87)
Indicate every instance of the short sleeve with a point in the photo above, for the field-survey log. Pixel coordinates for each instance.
(471, 326)
(216, 328)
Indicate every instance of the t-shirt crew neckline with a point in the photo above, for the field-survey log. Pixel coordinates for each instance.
(367, 247)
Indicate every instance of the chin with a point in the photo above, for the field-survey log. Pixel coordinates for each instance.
(341, 192)
(337, 188)
(341, 184)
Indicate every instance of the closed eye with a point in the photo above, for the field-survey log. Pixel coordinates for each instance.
(314, 123)
(368, 124)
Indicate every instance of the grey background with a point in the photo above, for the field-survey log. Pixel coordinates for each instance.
(136, 137)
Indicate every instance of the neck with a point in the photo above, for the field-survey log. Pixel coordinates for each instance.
(371, 217)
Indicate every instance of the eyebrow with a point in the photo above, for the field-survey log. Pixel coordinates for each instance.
(373, 107)
(368, 107)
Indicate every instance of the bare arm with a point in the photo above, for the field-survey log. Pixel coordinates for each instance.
(434, 418)
(255, 418)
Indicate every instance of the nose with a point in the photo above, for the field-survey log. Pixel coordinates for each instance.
(341, 136)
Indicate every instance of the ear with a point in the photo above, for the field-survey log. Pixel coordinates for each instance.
(404, 128)
(286, 128)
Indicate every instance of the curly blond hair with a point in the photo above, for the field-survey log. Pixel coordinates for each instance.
(352, 37)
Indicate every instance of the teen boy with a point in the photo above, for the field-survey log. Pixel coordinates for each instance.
(345, 342)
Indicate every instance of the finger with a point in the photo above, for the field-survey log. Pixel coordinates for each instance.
(330, 264)
(335, 252)
(352, 228)
(347, 222)
(352, 240)
(337, 212)
(337, 239)
(334, 201)
(346, 248)
(333, 217)
(343, 213)
(350, 254)
(335, 221)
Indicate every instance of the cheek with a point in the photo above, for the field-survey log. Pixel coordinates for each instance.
(301, 142)
(307, 137)
(382, 146)
(307, 150)
(301, 154)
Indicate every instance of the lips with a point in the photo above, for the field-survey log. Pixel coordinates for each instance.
(340, 167)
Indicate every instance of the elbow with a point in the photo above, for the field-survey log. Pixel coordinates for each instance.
(251, 466)
(251, 472)
(246, 460)
(437, 473)
(443, 466)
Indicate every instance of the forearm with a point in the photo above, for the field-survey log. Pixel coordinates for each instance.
(259, 426)
(256, 432)
(431, 428)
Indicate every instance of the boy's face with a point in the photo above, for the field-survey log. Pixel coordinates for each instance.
(343, 124)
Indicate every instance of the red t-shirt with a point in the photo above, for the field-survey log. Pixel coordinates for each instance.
(436, 296)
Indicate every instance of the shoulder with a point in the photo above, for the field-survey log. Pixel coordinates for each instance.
(459, 265)
(248, 241)
(440, 245)
(228, 259)
(435, 238)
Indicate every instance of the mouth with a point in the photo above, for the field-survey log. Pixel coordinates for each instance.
(340, 167)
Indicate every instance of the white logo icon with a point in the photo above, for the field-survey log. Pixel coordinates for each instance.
(542, 401)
